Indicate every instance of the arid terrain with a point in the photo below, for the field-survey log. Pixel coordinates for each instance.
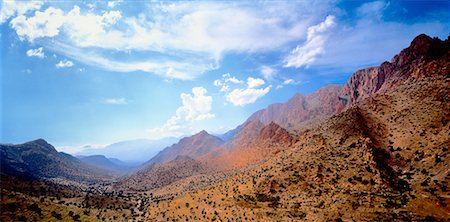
(374, 149)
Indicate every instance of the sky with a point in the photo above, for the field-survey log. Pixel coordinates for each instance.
(93, 73)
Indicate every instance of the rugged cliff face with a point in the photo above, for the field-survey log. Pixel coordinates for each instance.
(425, 57)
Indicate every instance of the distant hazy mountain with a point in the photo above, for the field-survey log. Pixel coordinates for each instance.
(39, 160)
(132, 151)
(231, 133)
(103, 162)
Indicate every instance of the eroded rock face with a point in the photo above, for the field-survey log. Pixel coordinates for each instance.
(425, 57)
(273, 132)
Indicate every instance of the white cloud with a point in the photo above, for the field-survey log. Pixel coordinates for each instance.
(112, 4)
(64, 64)
(372, 10)
(91, 6)
(168, 69)
(268, 72)
(287, 82)
(241, 96)
(36, 53)
(181, 33)
(195, 107)
(93, 34)
(223, 83)
(313, 47)
(10, 9)
(42, 24)
(254, 82)
(115, 101)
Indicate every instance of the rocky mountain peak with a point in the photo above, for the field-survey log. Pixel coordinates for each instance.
(40, 144)
(422, 46)
(202, 133)
(193, 147)
(275, 132)
(425, 57)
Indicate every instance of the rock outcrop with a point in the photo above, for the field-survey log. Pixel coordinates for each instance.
(425, 57)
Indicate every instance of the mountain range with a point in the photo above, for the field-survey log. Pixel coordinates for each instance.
(373, 149)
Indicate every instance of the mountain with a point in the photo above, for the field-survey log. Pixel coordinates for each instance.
(302, 110)
(174, 163)
(254, 142)
(105, 163)
(382, 157)
(132, 151)
(39, 160)
(193, 147)
(230, 134)
(425, 57)
(374, 149)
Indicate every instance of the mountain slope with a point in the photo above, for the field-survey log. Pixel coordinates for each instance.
(302, 110)
(40, 160)
(253, 143)
(384, 157)
(158, 175)
(193, 147)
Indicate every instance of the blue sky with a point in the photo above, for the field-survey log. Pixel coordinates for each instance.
(88, 72)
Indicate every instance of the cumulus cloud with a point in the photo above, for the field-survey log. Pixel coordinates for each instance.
(254, 82)
(93, 34)
(42, 24)
(64, 64)
(313, 47)
(241, 96)
(195, 107)
(39, 52)
(10, 9)
(52, 21)
(224, 82)
(115, 101)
